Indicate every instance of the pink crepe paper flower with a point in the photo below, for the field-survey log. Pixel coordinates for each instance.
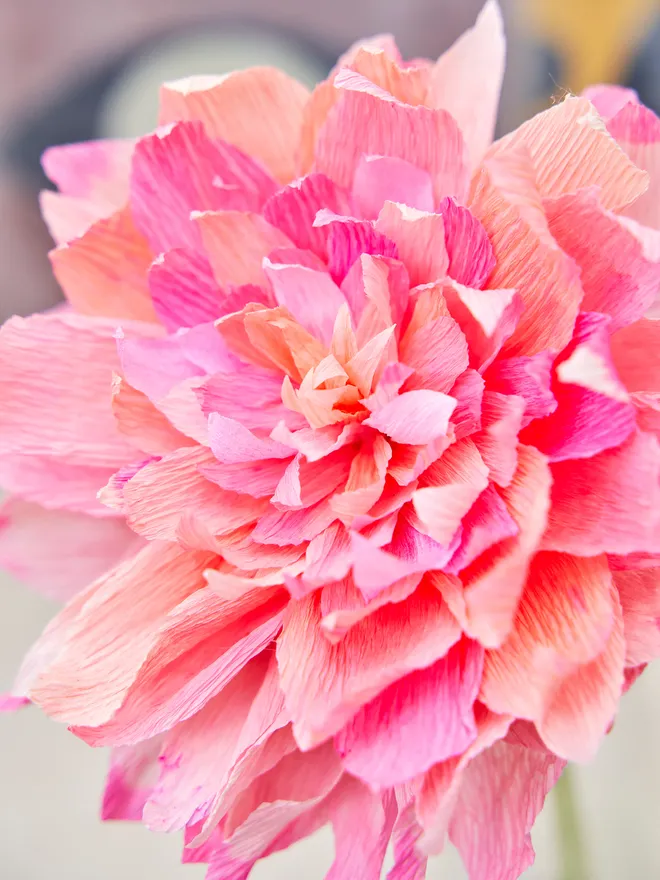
(344, 454)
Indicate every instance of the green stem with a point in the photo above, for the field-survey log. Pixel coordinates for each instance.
(573, 857)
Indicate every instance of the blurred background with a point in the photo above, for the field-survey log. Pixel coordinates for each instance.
(74, 70)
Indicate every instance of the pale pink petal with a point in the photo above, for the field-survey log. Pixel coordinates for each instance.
(60, 552)
(362, 823)
(259, 110)
(249, 395)
(466, 80)
(375, 124)
(380, 179)
(488, 318)
(96, 170)
(88, 664)
(502, 792)
(409, 864)
(10, 704)
(420, 240)
(326, 684)
(416, 722)
(256, 478)
(55, 380)
(312, 297)
(593, 508)
(608, 99)
(487, 523)
(232, 442)
(449, 489)
(131, 778)
(636, 128)
(468, 392)
(416, 417)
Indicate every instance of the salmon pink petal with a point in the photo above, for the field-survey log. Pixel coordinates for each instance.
(526, 377)
(568, 612)
(380, 179)
(256, 478)
(249, 395)
(73, 548)
(409, 864)
(593, 510)
(471, 258)
(469, 76)
(157, 514)
(326, 684)
(362, 824)
(408, 83)
(311, 296)
(183, 289)
(505, 199)
(104, 272)
(638, 593)
(637, 131)
(420, 240)
(493, 583)
(636, 353)
(372, 123)
(293, 210)
(617, 277)
(570, 149)
(594, 411)
(259, 110)
(377, 292)
(431, 708)
(502, 792)
(236, 243)
(104, 665)
(416, 417)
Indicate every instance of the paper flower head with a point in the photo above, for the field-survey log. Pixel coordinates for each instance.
(344, 453)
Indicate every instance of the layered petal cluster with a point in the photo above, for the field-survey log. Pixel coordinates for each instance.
(344, 454)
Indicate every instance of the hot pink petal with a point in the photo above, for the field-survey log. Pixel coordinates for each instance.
(471, 258)
(486, 524)
(416, 722)
(609, 99)
(184, 290)
(326, 684)
(526, 377)
(348, 239)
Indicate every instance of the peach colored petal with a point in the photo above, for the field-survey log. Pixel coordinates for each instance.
(236, 243)
(420, 240)
(105, 271)
(259, 110)
(138, 419)
(571, 149)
